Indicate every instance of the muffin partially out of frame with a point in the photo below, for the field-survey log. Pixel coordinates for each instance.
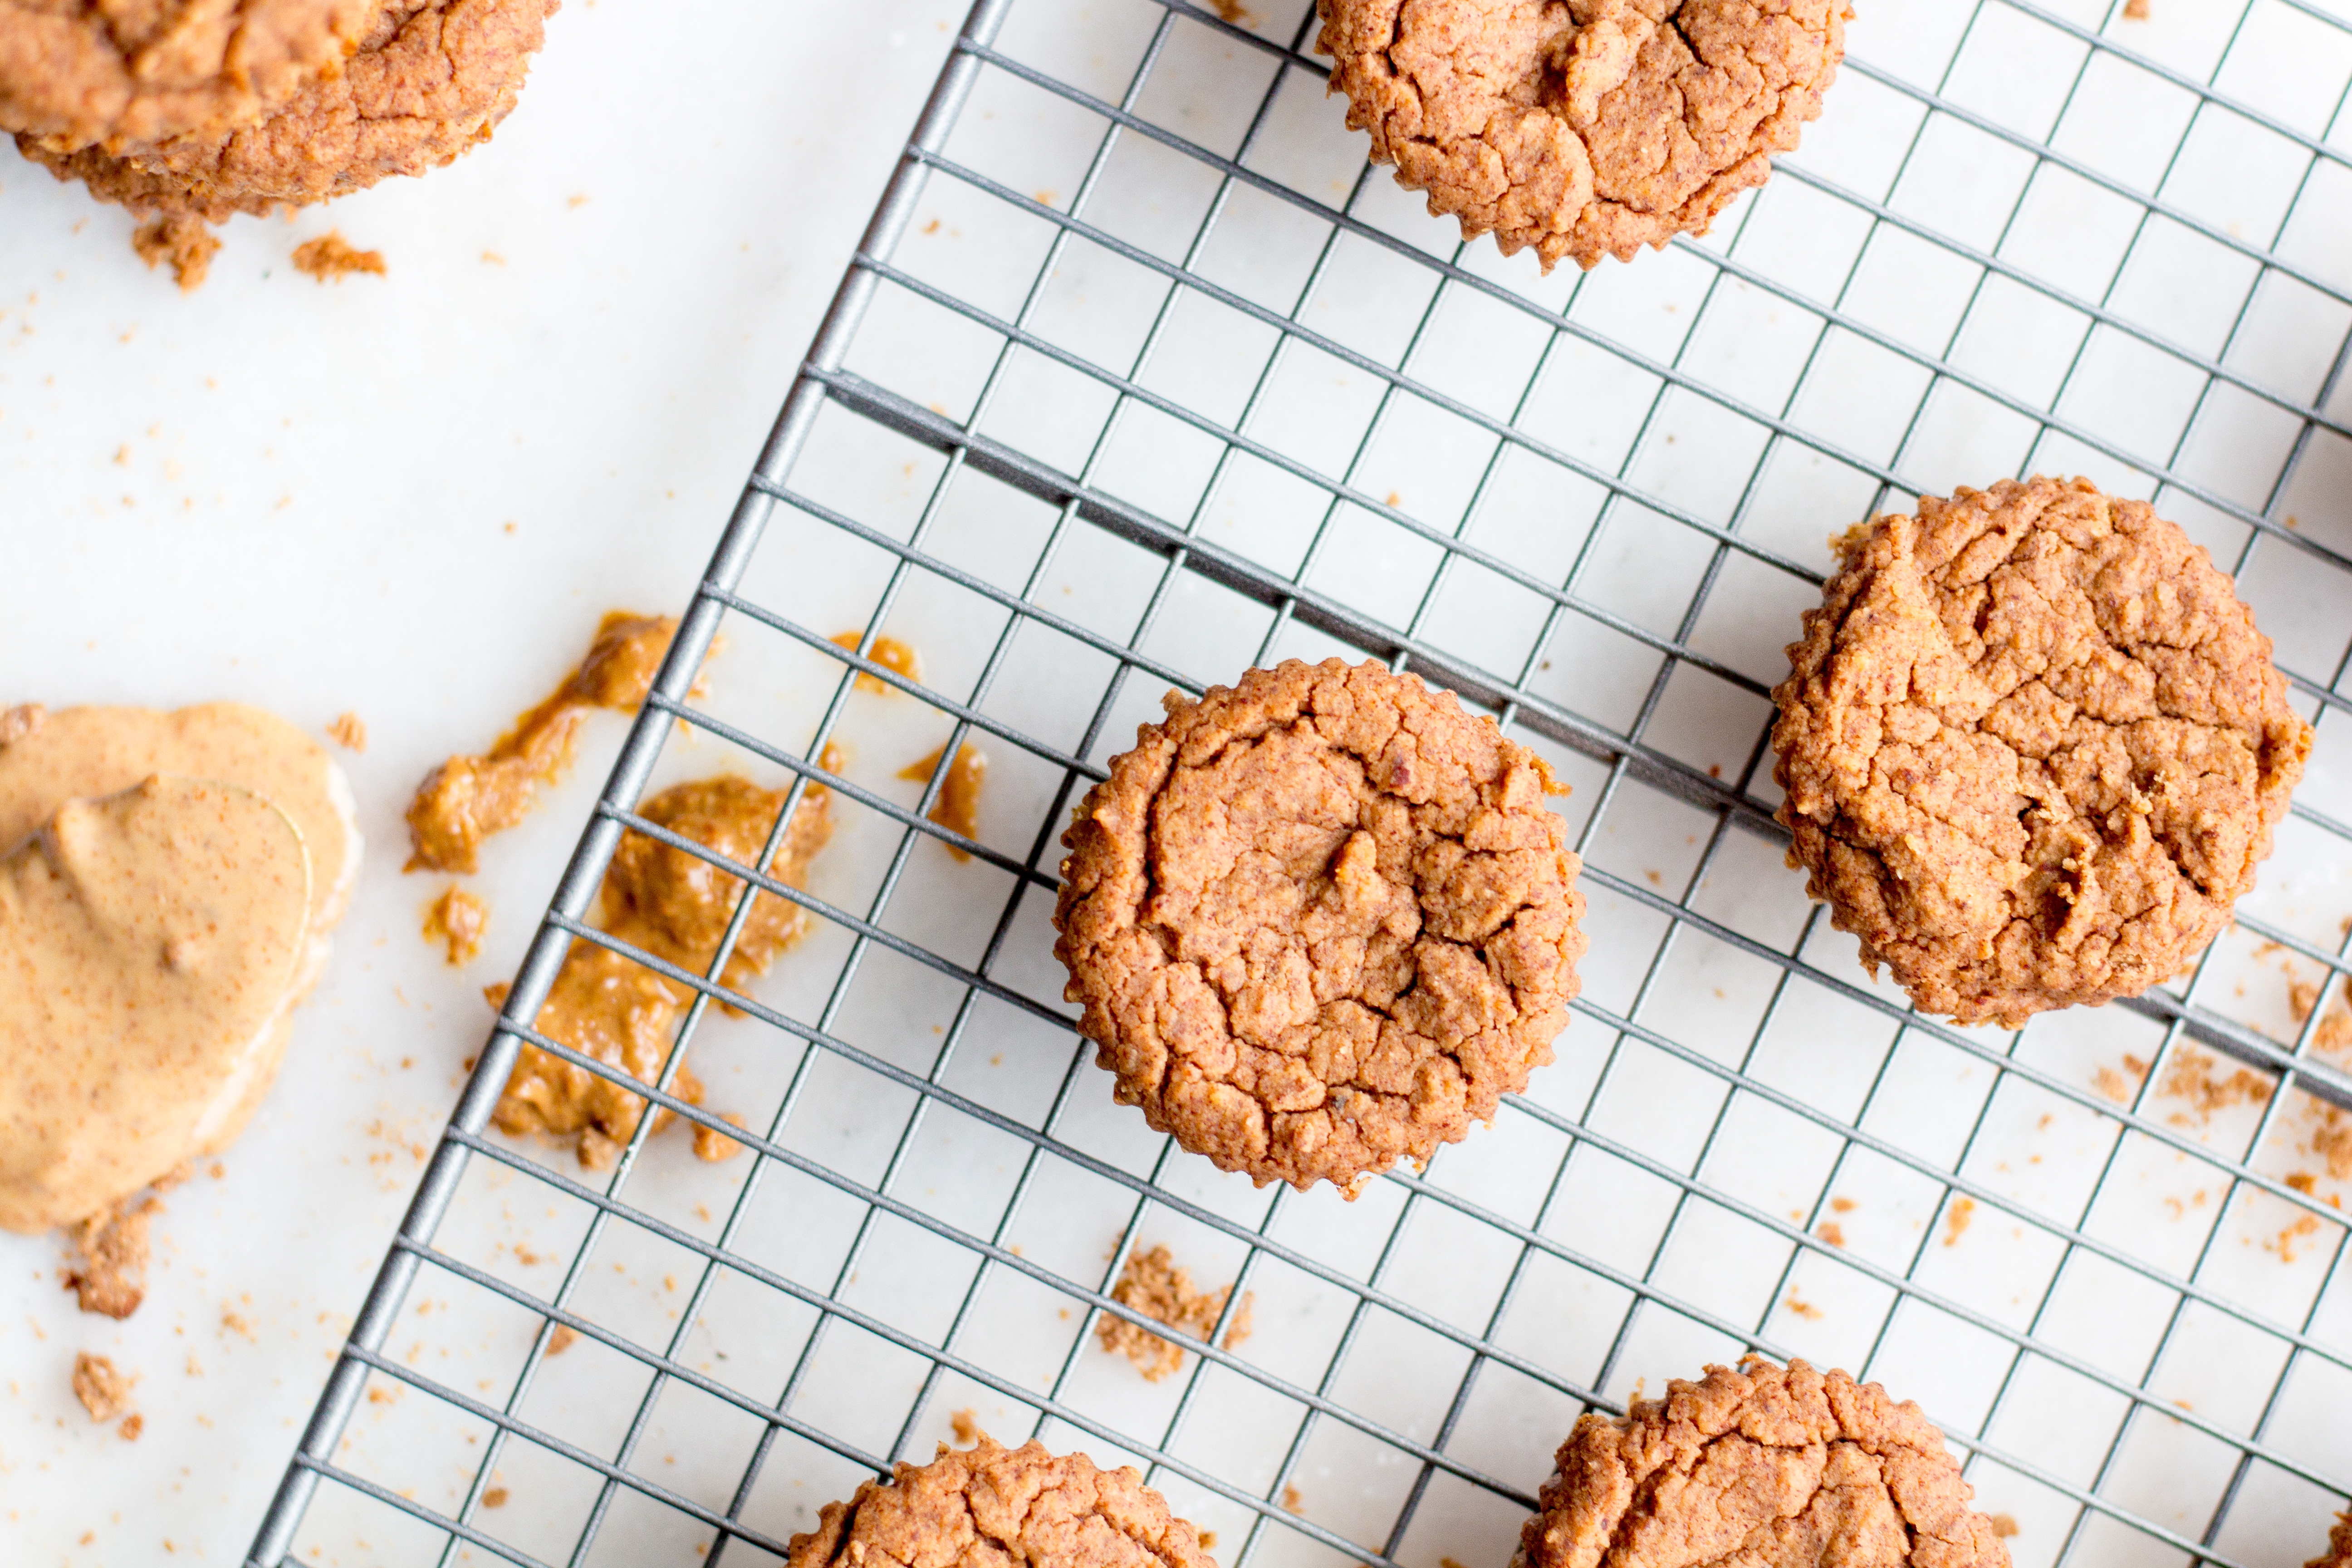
(1581, 128)
(1767, 1467)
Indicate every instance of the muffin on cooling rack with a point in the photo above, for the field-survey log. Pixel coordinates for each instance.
(986, 1506)
(1781, 1468)
(2035, 748)
(1320, 920)
(1582, 128)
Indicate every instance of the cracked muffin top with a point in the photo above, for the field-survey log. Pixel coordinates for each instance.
(1582, 128)
(132, 72)
(1320, 920)
(990, 1507)
(429, 80)
(1763, 1467)
(2035, 748)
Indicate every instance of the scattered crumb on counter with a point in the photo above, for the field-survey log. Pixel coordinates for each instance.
(2196, 1077)
(1843, 1205)
(2284, 1244)
(2135, 10)
(2332, 1142)
(1832, 1233)
(103, 1392)
(1209, 1544)
(456, 923)
(495, 1497)
(966, 1422)
(2121, 1086)
(1291, 1499)
(561, 1339)
(1956, 1220)
(348, 732)
(1804, 1308)
(2004, 1525)
(184, 242)
(898, 657)
(2335, 1031)
(1153, 1285)
(133, 1425)
(109, 1276)
(331, 255)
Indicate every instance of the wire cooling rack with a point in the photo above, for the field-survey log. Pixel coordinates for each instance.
(1139, 377)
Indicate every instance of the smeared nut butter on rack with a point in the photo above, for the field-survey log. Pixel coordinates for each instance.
(467, 799)
(677, 906)
(957, 808)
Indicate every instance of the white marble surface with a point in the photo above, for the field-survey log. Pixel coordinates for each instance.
(408, 497)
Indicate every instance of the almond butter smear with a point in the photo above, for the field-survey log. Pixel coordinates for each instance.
(149, 946)
(167, 884)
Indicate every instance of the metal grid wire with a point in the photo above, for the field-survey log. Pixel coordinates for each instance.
(2008, 1347)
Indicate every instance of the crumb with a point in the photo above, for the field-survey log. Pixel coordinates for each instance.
(1394, 499)
(234, 1322)
(1958, 1219)
(1233, 11)
(2195, 1078)
(2303, 1181)
(2334, 1032)
(1208, 1541)
(349, 731)
(384, 1394)
(2303, 1225)
(836, 757)
(456, 922)
(576, 202)
(110, 1276)
(2004, 1525)
(966, 1426)
(712, 1145)
(1832, 1233)
(1291, 1501)
(1843, 1205)
(495, 1497)
(1803, 1307)
(1153, 1285)
(932, 227)
(103, 1392)
(494, 258)
(898, 657)
(2134, 10)
(330, 256)
(2333, 1142)
(133, 1425)
(184, 242)
(957, 808)
(561, 1340)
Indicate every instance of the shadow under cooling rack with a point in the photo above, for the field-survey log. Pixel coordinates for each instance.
(1141, 376)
